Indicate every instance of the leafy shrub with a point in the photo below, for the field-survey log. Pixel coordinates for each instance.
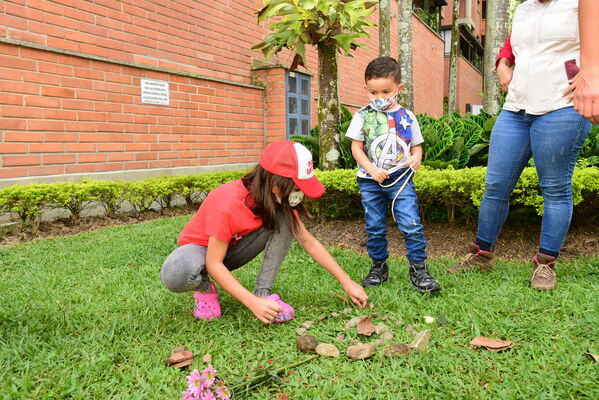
(26, 201)
(110, 194)
(74, 196)
(457, 191)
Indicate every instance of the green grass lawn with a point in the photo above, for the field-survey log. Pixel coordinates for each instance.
(87, 317)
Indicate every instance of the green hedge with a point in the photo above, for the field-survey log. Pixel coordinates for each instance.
(458, 192)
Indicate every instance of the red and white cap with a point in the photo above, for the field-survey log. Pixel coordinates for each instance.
(292, 160)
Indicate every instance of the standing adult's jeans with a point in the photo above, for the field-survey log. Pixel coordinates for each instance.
(185, 268)
(375, 200)
(554, 140)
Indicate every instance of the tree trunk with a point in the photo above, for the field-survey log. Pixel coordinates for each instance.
(452, 94)
(384, 33)
(328, 105)
(406, 98)
(498, 18)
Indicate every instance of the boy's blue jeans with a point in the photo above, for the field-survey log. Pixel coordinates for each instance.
(375, 200)
(554, 140)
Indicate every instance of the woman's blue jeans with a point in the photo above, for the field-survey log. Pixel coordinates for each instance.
(375, 200)
(554, 140)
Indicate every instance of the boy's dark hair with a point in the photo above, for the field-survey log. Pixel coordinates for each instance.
(383, 67)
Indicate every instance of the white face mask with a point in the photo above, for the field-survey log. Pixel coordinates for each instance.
(295, 198)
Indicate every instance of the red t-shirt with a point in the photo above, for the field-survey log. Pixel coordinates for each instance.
(223, 214)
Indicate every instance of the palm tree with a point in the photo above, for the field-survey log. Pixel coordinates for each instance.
(384, 32)
(330, 25)
(453, 59)
(498, 20)
(404, 30)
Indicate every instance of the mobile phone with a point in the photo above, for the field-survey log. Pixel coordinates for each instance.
(571, 69)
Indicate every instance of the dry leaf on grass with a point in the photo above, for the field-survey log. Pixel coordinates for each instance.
(420, 341)
(396, 350)
(327, 350)
(594, 357)
(180, 357)
(307, 324)
(207, 358)
(366, 327)
(380, 328)
(306, 343)
(352, 323)
(300, 331)
(494, 345)
(360, 351)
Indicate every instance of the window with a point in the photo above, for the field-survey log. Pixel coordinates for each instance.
(469, 47)
(429, 11)
(298, 103)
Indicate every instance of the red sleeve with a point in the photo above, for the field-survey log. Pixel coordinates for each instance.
(218, 224)
(506, 52)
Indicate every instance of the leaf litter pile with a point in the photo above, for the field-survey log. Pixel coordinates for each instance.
(374, 333)
(371, 337)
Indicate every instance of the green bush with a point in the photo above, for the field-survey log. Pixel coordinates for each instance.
(457, 191)
(74, 196)
(26, 201)
(110, 194)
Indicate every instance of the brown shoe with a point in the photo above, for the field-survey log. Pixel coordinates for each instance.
(543, 276)
(476, 259)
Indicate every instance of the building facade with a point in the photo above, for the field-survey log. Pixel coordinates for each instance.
(111, 89)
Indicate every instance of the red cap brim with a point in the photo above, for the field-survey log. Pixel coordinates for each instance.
(311, 187)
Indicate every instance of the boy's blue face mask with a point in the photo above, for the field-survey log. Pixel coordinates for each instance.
(384, 104)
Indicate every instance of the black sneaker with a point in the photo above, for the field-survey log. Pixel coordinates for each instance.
(379, 273)
(422, 280)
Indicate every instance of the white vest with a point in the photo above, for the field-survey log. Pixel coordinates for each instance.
(544, 36)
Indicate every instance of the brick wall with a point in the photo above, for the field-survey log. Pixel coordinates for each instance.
(470, 84)
(428, 70)
(63, 114)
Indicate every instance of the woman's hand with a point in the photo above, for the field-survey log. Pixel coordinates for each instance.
(264, 309)
(584, 90)
(356, 293)
(504, 74)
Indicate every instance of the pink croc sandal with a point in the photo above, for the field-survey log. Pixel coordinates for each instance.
(207, 306)
(288, 312)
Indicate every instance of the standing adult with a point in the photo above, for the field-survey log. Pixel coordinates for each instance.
(536, 120)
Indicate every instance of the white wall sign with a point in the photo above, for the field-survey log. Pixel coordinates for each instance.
(154, 92)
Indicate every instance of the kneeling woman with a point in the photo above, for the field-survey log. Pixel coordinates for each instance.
(239, 220)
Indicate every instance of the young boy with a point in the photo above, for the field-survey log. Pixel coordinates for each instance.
(386, 142)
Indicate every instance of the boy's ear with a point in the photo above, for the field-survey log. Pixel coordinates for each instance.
(400, 87)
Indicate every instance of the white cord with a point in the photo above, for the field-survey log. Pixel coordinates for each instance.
(411, 171)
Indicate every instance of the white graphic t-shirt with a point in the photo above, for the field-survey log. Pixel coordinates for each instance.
(387, 136)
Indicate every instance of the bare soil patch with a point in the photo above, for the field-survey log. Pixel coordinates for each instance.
(517, 241)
